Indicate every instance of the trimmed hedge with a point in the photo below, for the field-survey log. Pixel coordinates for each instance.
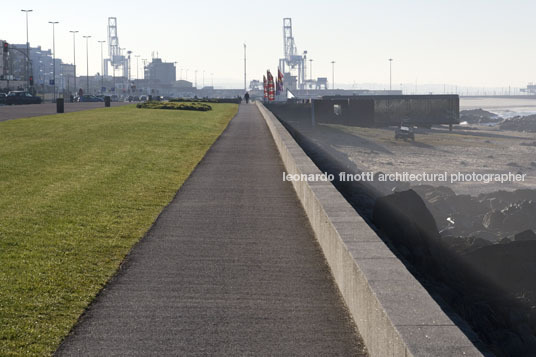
(174, 106)
(235, 100)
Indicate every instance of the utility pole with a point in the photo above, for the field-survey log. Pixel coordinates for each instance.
(245, 86)
(74, 57)
(102, 66)
(27, 50)
(332, 74)
(87, 63)
(390, 75)
(54, 55)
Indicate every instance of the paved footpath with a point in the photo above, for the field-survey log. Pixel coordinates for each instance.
(9, 112)
(231, 267)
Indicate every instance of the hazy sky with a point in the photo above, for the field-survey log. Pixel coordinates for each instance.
(457, 42)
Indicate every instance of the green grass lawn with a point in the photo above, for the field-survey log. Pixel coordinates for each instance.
(77, 191)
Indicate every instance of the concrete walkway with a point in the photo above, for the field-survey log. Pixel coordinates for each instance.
(231, 267)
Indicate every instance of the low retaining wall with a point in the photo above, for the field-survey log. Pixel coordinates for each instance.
(394, 314)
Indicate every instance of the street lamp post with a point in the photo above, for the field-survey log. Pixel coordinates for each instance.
(123, 74)
(27, 49)
(332, 74)
(144, 66)
(137, 66)
(390, 74)
(102, 66)
(311, 68)
(87, 63)
(245, 86)
(74, 57)
(54, 55)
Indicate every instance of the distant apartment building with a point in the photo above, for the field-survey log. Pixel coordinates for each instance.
(40, 65)
(161, 73)
(3, 59)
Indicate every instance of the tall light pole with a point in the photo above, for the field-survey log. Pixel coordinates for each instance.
(310, 68)
(74, 57)
(390, 74)
(144, 65)
(27, 48)
(137, 66)
(129, 77)
(87, 63)
(332, 74)
(54, 55)
(102, 66)
(245, 86)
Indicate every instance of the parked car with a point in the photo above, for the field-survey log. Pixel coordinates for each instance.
(21, 97)
(3, 98)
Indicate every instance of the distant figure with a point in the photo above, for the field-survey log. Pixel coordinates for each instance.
(246, 97)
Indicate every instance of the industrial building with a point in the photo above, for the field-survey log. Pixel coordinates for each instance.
(160, 73)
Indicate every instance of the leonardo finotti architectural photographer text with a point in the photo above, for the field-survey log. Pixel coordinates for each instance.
(369, 176)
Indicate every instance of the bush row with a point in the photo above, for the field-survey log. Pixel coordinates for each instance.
(236, 100)
(176, 106)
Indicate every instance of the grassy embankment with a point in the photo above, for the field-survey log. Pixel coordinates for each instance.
(77, 191)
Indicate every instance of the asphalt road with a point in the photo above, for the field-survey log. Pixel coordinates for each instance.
(231, 267)
(8, 112)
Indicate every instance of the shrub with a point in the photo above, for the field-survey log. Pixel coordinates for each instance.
(174, 106)
(235, 100)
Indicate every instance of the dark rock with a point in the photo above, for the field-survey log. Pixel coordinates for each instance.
(493, 220)
(464, 245)
(509, 341)
(504, 198)
(478, 116)
(511, 267)
(519, 216)
(404, 217)
(526, 123)
(525, 235)
(505, 240)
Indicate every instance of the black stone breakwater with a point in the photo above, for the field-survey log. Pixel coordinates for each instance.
(476, 258)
